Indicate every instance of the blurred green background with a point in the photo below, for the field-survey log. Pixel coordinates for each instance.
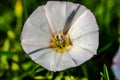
(15, 64)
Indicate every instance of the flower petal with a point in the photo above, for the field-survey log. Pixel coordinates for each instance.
(47, 60)
(36, 27)
(57, 11)
(30, 46)
(116, 65)
(36, 33)
(89, 41)
(85, 23)
(80, 55)
(73, 11)
(65, 62)
(116, 69)
(116, 59)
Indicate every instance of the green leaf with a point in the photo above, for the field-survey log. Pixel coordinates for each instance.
(104, 74)
(105, 47)
(38, 69)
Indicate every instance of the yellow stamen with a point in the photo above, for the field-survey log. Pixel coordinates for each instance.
(60, 42)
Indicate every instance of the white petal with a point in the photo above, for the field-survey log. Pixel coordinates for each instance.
(35, 54)
(116, 59)
(36, 27)
(80, 55)
(32, 46)
(73, 11)
(85, 23)
(50, 20)
(47, 59)
(89, 41)
(65, 62)
(116, 70)
(116, 65)
(58, 58)
(57, 11)
(36, 33)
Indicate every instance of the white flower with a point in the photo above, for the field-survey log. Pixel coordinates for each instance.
(60, 35)
(116, 65)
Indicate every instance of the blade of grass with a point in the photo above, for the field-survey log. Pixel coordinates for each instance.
(104, 74)
(104, 48)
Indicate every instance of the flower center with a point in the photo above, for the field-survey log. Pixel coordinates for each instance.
(60, 42)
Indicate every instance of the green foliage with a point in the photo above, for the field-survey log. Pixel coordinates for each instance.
(15, 64)
(104, 75)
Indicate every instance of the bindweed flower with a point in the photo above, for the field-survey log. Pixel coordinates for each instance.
(116, 65)
(60, 35)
